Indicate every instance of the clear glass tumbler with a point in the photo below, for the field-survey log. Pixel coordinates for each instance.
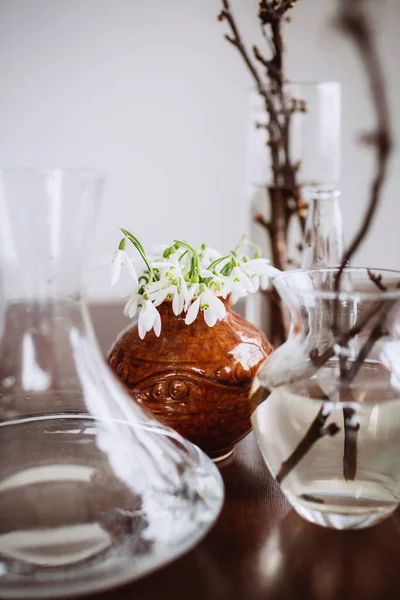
(283, 174)
(94, 491)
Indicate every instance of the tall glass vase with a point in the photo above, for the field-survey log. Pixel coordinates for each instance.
(285, 165)
(93, 491)
(323, 235)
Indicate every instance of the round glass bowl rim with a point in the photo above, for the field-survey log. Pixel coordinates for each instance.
(324, 294)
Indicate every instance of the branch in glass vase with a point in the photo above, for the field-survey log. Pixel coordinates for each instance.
(284, 193)
(353, 21)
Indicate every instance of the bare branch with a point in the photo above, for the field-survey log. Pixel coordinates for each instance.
(258, 218)
(354, 22)
(236, 40)
(268, 64)
(377, 280)
(316, 431)
(269, 82)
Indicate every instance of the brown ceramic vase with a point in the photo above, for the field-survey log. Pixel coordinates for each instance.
(194, 378)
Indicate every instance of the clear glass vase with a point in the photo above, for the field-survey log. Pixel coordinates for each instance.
(279, 198)
(326, 405)
(94, 491)
(323, 236)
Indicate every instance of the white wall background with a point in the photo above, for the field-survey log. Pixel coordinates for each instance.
(150, 92)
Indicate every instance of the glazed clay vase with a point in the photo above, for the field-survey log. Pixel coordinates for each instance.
(194, 378)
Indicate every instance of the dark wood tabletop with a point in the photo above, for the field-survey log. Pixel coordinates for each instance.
(261, 549)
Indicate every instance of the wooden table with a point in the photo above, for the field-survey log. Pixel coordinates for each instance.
(259, 547)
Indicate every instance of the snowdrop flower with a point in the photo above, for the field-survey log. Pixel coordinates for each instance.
(192, 293)
(149, 318)
(212, 307)
(259, 271)
(237, 284)
(133, 304)
(121, 258)
(171, 285)
(193, 280)
(216, 285)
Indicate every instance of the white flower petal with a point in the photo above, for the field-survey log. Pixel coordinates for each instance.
(159, 297)
(264, 282)
(193, 312)
(176, 303)
(272, 271)
(146, 317)
(256, 281)
(194, 289)
(116, 267)
(182, 300)
(217, 307)
(142, 331)
(210, 317)
(157, 324)
(257, 266)
(244, 280)
(156, 286)
(131, 268)
(237, 292)
(131, 306)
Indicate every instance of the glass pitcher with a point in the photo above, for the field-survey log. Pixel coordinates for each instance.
(326, 405)
(94, 491)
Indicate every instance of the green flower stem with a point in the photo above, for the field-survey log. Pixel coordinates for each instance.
(227, 270)
(245, 242)
(234, 261)
(195, 270)
(141, 251)
(217, 261)
(241, 242)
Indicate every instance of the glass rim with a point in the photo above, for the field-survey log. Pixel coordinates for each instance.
(84, 172)
(307, 83)
(324, 294)
(313, 82)
(322, 192)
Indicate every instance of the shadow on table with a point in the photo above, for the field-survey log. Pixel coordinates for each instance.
(304, 561)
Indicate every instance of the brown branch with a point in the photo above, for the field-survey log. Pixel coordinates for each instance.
(377, 332)
(272, 70)
(268, 13)
(258, 218)
(377, 280)
(316, 431)
(318, 360)
(270, 86)
(236, 40)
(353, 21)
(350, 430)
(350, 451)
